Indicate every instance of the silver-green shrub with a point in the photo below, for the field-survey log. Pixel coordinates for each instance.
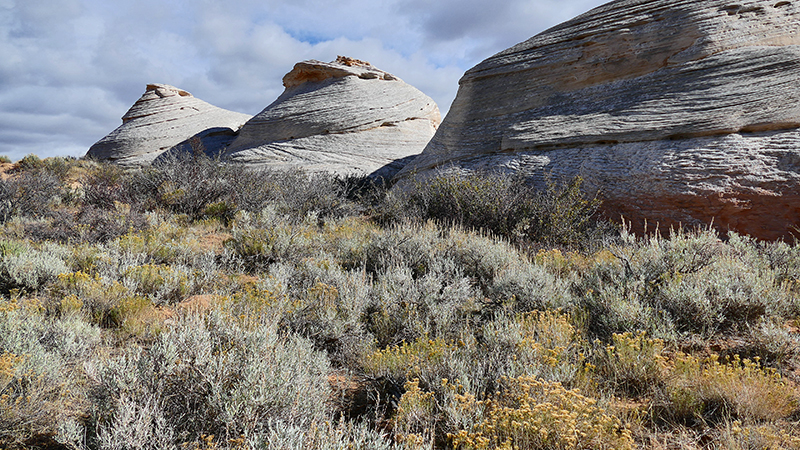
(208, 376)
(42, 388)
(31, 269)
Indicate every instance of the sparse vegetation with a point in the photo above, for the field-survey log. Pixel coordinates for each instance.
(198, 305)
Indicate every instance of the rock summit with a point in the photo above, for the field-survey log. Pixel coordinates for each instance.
(163, 117)
(346, 117)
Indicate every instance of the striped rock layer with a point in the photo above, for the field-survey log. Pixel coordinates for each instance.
(345, 117)
(675, 111)
(163, 117)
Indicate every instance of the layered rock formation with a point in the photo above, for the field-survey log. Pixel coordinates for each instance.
(676, 111)
(346, 117)
(163, 117)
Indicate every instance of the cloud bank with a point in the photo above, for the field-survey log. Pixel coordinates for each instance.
(71, 68)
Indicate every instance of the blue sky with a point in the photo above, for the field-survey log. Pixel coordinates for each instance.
(69, 69)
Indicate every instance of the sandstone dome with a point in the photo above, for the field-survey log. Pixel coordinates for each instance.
(345, 117)
(675, 111)
(163, 117)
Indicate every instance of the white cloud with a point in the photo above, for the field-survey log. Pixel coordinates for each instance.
(71, 68)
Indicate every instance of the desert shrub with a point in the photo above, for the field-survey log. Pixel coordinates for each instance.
(42, 395)
(31, 194)
(328, 307)
(492, 202)
(429, 359)
(505, 205)
(323, 436)
(5, 159)
(367, 193)
(201, 187)
(160, 283)
(434, 281)
(769, 340)
(721, 297)
(689, 283)
(62, 168)
(735, 435)
(166, 240)
(709, 391)
(528, 287)
(101, 302)
(416, 416)
(299, 195)
(102, 225)
(402, 308)
(59, 166)
(543, 344)
(29, 269)
(533, 414)
(431, 373)
(183, 185)
(268, 239)
(30, 162)
(105, 303)
(633, 365)
(88, 224)
(208, 376)
(107, 185)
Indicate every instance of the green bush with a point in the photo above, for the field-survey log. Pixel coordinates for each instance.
(30, 162)
(505, 205)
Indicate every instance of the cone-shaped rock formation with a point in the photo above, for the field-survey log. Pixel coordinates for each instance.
(345, 117)
(162, 118)
(676, 111)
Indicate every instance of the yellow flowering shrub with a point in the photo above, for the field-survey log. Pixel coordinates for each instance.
(549, 334)
(708, 389)
(533, 414)
(163, 243)
(415, 419)
(632, 364)
(738, 436)
(545, 344)
(159, 279)
(563, 264)
(409, 358)
(108, 304)
(256, 304)
(8, 363)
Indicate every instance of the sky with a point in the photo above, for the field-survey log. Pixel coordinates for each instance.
(70, 69)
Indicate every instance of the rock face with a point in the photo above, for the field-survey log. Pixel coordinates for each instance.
(162, 118)
(345, 117)
(676, 111)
